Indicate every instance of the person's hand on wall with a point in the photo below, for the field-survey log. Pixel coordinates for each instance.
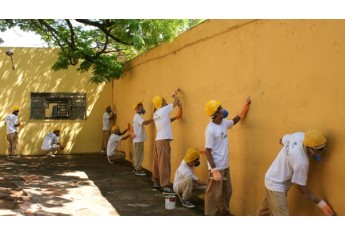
(245, 108)
(175, 92)
(327, 211)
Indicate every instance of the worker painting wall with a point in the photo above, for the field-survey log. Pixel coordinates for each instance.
(32, 73)
(293, 70)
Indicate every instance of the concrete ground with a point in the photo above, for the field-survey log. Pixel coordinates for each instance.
(81, 185)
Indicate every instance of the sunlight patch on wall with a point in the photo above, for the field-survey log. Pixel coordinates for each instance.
(19, 80)
(93, 101)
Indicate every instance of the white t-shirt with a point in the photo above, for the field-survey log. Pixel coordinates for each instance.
(48, 141)
(106, 121)
(182, 172)
(162, 122)
(290, 166)
(11, 120)
(217, 140)
(139, 129)
(114, 141)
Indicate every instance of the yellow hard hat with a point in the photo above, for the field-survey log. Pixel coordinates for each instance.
(15, 108)
(191, 155)
(115, 128)
(314, 138)
(211, 107)
(157, 101)
(136, 104)
(57, 129)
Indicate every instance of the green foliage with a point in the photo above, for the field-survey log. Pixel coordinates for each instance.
(103, 45)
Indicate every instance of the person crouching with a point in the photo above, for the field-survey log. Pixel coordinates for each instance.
(51, 143)
(113, 143)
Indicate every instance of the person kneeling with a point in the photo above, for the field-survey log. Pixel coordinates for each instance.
(114, 141)
(51, 143)
(185, 180)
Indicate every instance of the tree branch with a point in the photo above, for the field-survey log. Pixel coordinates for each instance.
(73, 46)
(52, 31)
(103, 28)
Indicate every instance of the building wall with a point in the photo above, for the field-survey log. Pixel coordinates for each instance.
(293, 70)
(33, 74)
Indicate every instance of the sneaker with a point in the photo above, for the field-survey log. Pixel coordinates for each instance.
(102, 152)
(188, 204)
(110, 161)
(15, 156)
(168, 190)
(140, 173)
(156, 187)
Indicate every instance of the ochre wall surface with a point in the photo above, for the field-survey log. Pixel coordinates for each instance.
(294, 72)
(33, 74)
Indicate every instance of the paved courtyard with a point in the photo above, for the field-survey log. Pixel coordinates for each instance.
(81, 185)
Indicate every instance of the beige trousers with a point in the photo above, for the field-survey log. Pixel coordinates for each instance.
(161, 163)
(186, 188)
(274, 204)
(138, 155)
(218, 195)
(106, 136)
(118, 155)
(12, 140)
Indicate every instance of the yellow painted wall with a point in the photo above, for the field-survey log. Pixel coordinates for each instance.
(33, 74)
(292, 69)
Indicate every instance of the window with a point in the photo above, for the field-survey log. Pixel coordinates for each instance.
(58, 106)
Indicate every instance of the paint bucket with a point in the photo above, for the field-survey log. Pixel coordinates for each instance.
(170, 202)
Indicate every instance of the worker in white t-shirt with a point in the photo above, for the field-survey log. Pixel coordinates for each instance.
(115, 138)
(108, 117)
(161, 156)
(291, 167)
(12, 123)
(51, 142)
(219, 189)
(139, 137)
(185, 180)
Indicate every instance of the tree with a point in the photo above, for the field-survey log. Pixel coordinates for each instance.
(102, 45)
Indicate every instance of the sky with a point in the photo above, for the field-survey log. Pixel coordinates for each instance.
(17, 38)
(177, 9)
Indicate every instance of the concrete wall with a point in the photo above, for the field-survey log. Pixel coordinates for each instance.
(292, 69)
(33, 74)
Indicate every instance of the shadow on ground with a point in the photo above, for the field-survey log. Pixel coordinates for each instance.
(81, 185)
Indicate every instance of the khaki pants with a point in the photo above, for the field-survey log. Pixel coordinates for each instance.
(161, 163)
(138, 155)
(53, 150)
(218, 195)
(186, 188)
(274, 204)
(106, 136)
(119, 155)
(12, 140)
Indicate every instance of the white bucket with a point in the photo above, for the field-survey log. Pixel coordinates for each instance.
(170, 202)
